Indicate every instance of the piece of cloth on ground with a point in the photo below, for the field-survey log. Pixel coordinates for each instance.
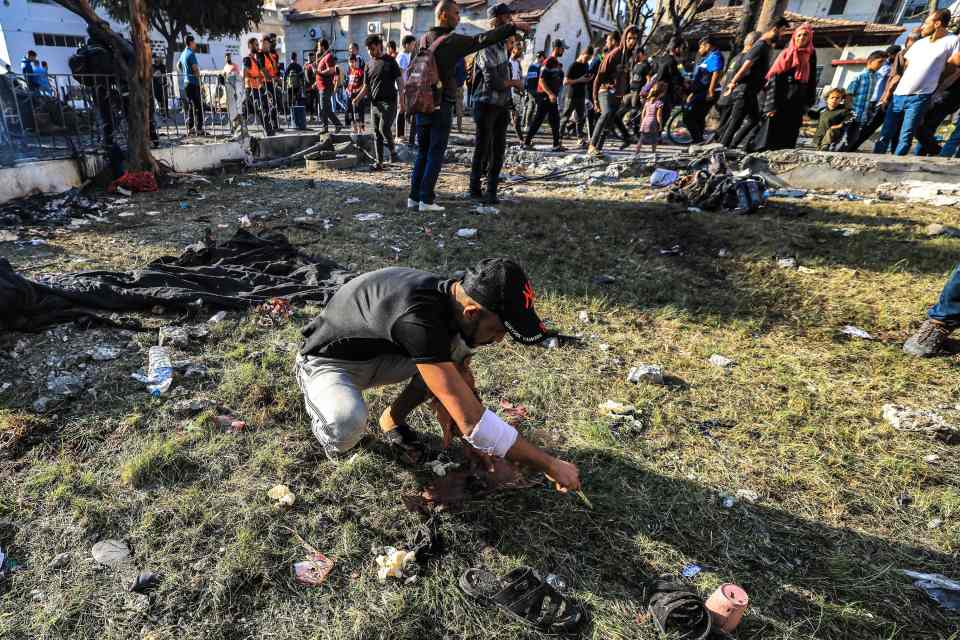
(245, 271)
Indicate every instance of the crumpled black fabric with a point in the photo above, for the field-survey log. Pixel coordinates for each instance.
(245, 271)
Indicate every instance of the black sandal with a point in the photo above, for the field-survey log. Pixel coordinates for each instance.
(406, 442)
(523, 595)
(673, 604)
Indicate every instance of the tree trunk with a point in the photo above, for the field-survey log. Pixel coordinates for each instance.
(769, 12)
(747, 23)
(137, 75)
(140, 83)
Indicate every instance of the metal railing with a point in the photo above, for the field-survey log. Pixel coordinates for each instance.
(62, 115)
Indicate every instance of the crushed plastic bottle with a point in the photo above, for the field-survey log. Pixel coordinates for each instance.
(159, 371)
(555, 581)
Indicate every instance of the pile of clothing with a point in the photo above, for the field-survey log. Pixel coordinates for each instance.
(713, 187)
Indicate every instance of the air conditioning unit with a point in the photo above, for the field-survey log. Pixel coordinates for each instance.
(373, 28)
(316, 34)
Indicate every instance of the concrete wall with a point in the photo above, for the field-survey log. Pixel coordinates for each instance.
(563, 20)
(865, 10)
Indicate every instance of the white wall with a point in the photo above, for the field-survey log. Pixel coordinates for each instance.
(564, 20)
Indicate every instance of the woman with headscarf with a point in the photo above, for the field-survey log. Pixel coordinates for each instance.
(791, 90)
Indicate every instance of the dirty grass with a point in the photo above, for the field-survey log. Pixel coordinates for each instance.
(796, 420)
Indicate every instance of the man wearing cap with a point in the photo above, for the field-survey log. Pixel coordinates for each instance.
(492, 85)
(399, 324)
(548, 93)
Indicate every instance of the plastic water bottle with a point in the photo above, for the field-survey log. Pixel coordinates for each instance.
(159, 371)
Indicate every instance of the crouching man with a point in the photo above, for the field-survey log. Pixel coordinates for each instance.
(399, 324)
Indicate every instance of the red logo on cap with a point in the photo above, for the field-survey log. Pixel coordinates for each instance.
(528, 295)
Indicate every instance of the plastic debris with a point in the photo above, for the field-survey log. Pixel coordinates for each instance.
(314, 570)
(184, 205)
(723, 362)
(392, 563)
(110, 552)
(467, 233)
(613, 408)
(941, 589)
(663, 178)
(145, 581)
(694, 210)
(786, 193)
(856, 332)
(159, 376)
(646, 373)
(675, 250)
(691, 570)
(282, 494)
(368, 217)
(557, 582)
(218, 317)
(8, 236)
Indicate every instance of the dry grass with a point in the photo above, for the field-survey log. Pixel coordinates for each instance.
(819, 553)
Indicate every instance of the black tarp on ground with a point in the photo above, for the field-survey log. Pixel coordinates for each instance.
(245, 271)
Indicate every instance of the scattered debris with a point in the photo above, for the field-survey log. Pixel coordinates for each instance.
(553, 342)
(282, 494)
(940, 194)
(646, 373)
(749, 495)
(726, 607)
(934, 523)
(103, 353)
(40, 404)
(663, 178)
(941, 589)
(486, 210)
(675, 250)
(936, 229)
(931, 458)
(59, 561)
(275, 311)
(440, 468)
(925, 421)
(723, 362)
(723, 253)
(190, 407)
(110, 552)
(787, 263)
(691, 570)
(314, 570)
(352, 201)
(626, 422)
(8, 236)
(516, 413)
(392, 563)
(706, 427)
(368, 217)
(467, 233)
(856, 332)
(557, 582)
(786, 193)
(584, 316)
(218, 317)
(728, 502)
(159, 376)
(145, 581)
(174, 336)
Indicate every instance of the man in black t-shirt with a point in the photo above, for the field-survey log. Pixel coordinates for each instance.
(548, 93)
(382, 80)
(750, 80)
(666, 68)
(578, 77)
(399, 324)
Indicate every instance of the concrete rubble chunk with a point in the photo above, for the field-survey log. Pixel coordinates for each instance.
(936, 229)
(925, 421)
(59, 561)
(723, 362)
(104, 352)
(940, 194)
(110, 552)
(174, 336)
(646, 373)
(191, 407)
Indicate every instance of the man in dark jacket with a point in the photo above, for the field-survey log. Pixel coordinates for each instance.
(492, 97)
(433, 130)
(548, 95)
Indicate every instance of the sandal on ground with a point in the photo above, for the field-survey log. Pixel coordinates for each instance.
(523, 595)
(406, 442)
(674, 605)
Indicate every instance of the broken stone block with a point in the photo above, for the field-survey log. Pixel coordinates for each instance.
(174, 336)
(110, 552)
(646, 373)
(191, 407)
(922, 421)
(723, 362)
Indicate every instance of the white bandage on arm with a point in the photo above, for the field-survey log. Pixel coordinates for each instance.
(492, 435)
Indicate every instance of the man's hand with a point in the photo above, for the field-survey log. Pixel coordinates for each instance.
(564, 475)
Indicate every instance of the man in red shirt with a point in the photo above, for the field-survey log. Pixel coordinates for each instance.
(326, 69)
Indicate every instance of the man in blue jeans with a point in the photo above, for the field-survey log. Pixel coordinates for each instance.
(914, 88)
(433, 129)
(942, 318)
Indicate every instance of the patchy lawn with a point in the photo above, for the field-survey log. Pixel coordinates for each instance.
(796, 420)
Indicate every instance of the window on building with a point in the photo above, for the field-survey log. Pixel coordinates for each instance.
(58, 40)
(837, 7)
(887, 12)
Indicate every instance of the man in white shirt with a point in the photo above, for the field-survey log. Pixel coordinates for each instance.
(926, 61)
(409, 43)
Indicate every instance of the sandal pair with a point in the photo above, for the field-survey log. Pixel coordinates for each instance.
(525, 596)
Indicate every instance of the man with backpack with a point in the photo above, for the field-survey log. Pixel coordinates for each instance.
(492, 85)
(430, 94)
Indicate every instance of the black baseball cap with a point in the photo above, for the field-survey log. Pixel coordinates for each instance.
(501, 286)
(499, 9)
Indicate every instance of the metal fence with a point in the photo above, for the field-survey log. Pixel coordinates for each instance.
(61, 115)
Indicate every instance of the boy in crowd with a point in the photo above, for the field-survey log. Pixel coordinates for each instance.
(382, 83)
(408, 43)
(704, 89)
(861, 91)
(833, 120)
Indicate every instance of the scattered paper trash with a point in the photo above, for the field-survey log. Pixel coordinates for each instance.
(941, 589)
(314, 570)
(723, 362)
(663, 178)
(467, 233)
(921, 420)
(392, 563)
(282, 494)
(646, 373)
(934, 523)
(856, 332)
(691, 570)
(368, 217)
